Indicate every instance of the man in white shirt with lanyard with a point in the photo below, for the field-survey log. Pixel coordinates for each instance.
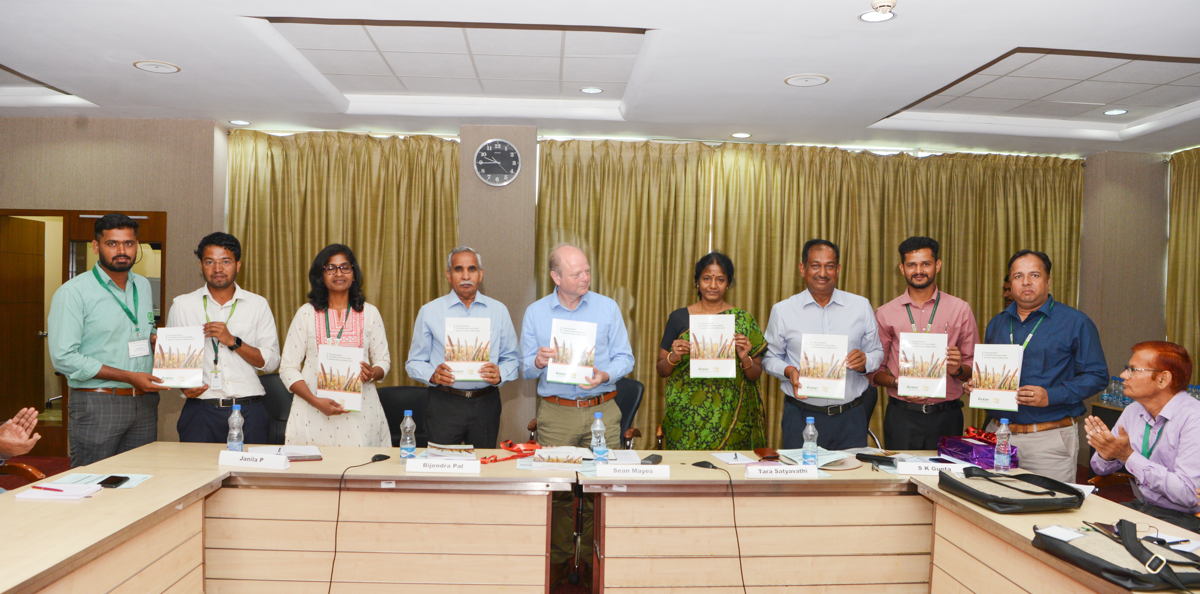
(240, 338)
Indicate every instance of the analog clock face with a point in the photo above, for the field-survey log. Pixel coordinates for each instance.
(497, 162)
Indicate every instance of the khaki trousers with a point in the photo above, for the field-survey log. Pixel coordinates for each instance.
(1050, 453)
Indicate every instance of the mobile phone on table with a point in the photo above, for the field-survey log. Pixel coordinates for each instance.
(113, 481)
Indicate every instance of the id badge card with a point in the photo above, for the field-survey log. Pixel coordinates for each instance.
(139, 348)
(215, 380)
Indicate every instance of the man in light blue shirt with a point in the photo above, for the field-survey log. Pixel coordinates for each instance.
(100, 329)
(460, 410)
(823, 309)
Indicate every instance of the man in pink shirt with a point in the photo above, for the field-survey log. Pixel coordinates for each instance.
(916, 423)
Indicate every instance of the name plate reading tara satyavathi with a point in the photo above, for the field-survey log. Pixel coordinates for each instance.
(251, 460)
(441, 466)
(656, 471)
(801, 471)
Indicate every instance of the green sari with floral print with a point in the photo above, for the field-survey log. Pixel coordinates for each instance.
(716, 413)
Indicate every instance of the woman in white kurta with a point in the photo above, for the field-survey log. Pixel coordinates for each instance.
(336, 314)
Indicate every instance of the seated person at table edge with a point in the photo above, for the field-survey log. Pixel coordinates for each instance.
(1157, 437)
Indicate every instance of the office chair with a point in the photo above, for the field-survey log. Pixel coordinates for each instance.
(396, 400)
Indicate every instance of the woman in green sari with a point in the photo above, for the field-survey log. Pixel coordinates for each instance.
(712, 413)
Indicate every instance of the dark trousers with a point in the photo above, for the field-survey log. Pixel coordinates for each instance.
(104, 425)
(453, 419)
(202, 422)
(907, 429)
(1178, 518)
(834, 432)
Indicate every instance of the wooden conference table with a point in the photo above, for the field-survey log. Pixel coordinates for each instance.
(197, 527)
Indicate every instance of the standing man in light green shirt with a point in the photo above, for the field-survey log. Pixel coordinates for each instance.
(101, 335)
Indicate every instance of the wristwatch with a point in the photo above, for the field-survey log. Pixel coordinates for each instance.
(237, 344)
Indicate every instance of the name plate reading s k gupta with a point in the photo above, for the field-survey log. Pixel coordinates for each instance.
(801, 471)
(426, 465)
(657, 471)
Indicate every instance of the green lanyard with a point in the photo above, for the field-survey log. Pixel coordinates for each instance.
(340, 330)
(1029, 337)
(204, 298)
(132, 315)
(1148, 449)
(929, 325)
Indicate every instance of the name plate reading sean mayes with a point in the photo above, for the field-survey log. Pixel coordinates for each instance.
(658, 471)
(801, 471)
(249, 460)
(441, 466)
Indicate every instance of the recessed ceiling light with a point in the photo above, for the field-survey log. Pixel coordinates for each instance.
(806, 80)
(1116, 112)
(591, 90)
(239, 123)
(156, 66)
(740, 135)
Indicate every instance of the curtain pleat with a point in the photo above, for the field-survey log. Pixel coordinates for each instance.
(1183, 255)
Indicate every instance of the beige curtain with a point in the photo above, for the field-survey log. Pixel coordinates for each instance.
(639, 212)
(1183, 255)
(649, 210)
(394, 201)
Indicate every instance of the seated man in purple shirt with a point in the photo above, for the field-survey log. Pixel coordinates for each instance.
(1157, 437)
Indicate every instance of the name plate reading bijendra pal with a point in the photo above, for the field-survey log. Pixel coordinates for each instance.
(441, 466)
(801, 471)
(248, 460)
(657, 471)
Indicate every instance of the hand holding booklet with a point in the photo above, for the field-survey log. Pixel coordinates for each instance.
(574, 346)
(712, 353)
(179, 356)
(822, 365)
(339, 375)
(467, 347)
(997, 375)
(922, 365)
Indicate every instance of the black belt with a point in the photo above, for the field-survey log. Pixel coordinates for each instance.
(466, 393)
(926, 409)
(829, 410)
(229, 402)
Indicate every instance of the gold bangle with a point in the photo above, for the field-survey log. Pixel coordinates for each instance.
(675, 363)
(745, 367)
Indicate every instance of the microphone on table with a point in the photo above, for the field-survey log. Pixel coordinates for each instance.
(705, 464)
(380, 457)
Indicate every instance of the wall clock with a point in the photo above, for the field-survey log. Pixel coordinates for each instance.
(497, 162)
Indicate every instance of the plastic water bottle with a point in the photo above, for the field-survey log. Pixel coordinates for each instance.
(236, 441)
(1122, 399)
(599, 445)
(1111, 396)
(1002, 461)
(408, 436)
(809, 455)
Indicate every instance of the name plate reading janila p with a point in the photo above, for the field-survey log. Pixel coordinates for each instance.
(427, 465)
(801, 471)
(657, 471)
(248, 460)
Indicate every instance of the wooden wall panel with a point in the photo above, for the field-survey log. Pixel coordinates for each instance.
(768, 511)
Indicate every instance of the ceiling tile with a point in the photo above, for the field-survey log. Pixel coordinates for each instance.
(932, 103)
(611, 90)
(347, 83)
(969, 85)
(347, 62)
(1019, 87)
(326, 37)
(599, 43)
(979, 105)
(1193, 80)
(1166, 96)
(1098, 92)
(1010, 63)
(517, 67)
(435, 65)
(443, 40)
(1052, 109)
(1066, 66)
(442, 86)
(523, 88)
(1149, 71)
(515, 42)
(614, 69)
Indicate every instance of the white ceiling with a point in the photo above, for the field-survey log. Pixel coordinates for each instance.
(703, 69)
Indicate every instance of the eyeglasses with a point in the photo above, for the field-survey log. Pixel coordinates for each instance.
(346, 268)
(113, 244)
(1133, 369)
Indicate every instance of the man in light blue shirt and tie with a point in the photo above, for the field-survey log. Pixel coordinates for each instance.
(823, 309)
(459, 410)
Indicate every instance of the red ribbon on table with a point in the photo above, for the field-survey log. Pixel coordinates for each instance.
(984, 436)
(522, 450)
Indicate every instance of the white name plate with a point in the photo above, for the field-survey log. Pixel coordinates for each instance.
(801, 471)
(926, 467)
(441, 466)
(248, 460)
(658, 471)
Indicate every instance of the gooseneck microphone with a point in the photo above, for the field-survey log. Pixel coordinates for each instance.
(380, 458)
(733, 503)
(338, 518)
(706, 464)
